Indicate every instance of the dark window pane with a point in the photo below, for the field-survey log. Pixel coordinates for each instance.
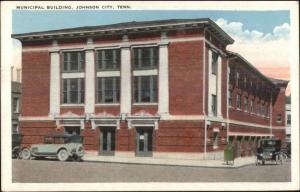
(73, 61)
(149, 140)
(104, 140)
(108, 59)
(146, 57)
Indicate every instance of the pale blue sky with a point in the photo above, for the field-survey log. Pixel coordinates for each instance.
(30, 21)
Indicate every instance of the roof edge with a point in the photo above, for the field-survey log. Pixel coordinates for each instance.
(92, 30)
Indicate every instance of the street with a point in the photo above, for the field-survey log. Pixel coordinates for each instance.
(51, 171)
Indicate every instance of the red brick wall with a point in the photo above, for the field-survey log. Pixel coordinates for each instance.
(34, 132)
(224, 88)
(144, 108)
(35, 83)
(279, 108)
(76, 110)
(180, 136)
(115, 110)
(185, 78)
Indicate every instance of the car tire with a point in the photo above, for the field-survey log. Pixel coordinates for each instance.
(62, 155)
(26, 154)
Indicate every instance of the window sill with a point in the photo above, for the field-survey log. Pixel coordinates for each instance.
(72, 105)
(141, 104)
(107, 104)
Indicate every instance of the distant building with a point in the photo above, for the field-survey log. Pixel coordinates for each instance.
(15, 105)
(288, 117)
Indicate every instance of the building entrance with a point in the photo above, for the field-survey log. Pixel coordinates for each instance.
(144, 141)
(107, 141)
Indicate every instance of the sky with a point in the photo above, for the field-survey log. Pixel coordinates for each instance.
(259, 35)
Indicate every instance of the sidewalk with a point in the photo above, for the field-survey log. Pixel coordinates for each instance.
(239, 162)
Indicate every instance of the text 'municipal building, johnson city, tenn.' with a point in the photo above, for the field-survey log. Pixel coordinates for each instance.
(155, 88)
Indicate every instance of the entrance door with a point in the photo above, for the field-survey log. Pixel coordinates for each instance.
(107, 141)
(144, 141)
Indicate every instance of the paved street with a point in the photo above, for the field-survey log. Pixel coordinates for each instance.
(55, 171)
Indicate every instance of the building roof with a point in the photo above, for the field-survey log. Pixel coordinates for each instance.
(127, 28)
(279, 82)
(276, 82)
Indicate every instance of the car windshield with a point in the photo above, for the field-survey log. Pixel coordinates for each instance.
(270, 143)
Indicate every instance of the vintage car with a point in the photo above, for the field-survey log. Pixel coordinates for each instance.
(63, 147)
(269, 150)
(16, 145)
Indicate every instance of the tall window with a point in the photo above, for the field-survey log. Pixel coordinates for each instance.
(214, 104)
(214, 63)
(245, 103)
(229, 98)
(288, 121)
(145, 57)
(237, 79)
(238, 101)
(108, 89)
(258, 108)
(73, 61)
(108, 59)
(145, 89)
(263, 113)
(73, 91)
(252, 106)
(15, 105)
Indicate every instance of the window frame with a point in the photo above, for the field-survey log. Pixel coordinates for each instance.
(214, 63)
(116, 55)
(239, 101)
(137, 92)
(80, 91)
(80, 61)
(214, 104)
(116, 86)
(246, 103)
(16, 104)
(138, 62)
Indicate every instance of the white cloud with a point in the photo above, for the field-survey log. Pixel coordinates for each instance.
(235, 29)
(263, 50)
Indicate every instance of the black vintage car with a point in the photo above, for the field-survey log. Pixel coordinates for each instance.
(16, 145)
(269, 150)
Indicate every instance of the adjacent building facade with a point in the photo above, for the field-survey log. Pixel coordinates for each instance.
(165, 88)
(16, 105)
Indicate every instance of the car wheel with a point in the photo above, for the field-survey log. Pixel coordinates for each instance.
(62, 155)
(26, 154)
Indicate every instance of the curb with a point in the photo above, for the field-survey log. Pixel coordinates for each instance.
(152, 164)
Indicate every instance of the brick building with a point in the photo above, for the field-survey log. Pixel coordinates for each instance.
(156, 88)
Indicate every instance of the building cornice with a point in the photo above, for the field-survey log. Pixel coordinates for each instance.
(130, 28)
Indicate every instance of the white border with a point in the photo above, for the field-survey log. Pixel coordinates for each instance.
(6, 26)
